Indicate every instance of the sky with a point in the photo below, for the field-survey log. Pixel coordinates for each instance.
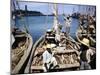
(47, 8)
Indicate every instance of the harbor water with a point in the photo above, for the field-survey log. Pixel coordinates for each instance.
(37, 25)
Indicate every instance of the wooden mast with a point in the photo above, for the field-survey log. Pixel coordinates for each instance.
(56, 25)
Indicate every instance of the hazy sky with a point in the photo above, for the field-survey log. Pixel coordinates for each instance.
(47, 8)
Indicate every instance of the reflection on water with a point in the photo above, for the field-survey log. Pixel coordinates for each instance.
(37, 25)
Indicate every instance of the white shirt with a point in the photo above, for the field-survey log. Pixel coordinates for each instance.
(89, 54)
(68, 22)
(47, 57)
(57, 37)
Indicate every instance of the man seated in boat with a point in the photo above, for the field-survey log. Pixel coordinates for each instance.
(85, 54)
(49, 61)
(51, 37)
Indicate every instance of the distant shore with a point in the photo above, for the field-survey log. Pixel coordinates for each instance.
(29, 13)
(20, 13)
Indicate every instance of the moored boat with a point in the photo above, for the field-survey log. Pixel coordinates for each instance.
(21, 49)
(65, 50)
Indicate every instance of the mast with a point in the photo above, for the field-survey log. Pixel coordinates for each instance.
(13, 13)
(26, 27)
(56, 24)
(15, 5)
(73, 10)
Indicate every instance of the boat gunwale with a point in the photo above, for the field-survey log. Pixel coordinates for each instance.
(37, 44)
(24, 57)
(27, 69)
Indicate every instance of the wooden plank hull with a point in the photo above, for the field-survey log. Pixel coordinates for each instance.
(37, 63)
(25, 56)
(61, 66)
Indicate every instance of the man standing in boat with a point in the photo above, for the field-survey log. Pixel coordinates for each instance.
(85, 55)
(49, 61)
(68, 21)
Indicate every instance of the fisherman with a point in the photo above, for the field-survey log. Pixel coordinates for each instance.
(67, 24)
(91, 29)
(91, 25)
(49, 61)
(50, 36)
(81, 20)
(85, 55)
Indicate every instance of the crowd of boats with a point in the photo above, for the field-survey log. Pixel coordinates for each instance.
(55, 50)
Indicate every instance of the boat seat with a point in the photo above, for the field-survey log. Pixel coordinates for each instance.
(20, 35)
(61, 66)
(50, 37)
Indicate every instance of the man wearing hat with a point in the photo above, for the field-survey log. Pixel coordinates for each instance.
(49, 61)
(91, 29)
(85, 55)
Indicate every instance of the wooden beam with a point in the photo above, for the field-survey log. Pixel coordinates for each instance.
(61, 66)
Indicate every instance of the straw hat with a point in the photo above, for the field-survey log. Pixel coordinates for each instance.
(85, 41)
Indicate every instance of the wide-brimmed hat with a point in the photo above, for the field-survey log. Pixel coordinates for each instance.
(85, 42)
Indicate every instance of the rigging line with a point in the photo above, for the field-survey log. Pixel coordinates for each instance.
(18, 7)
(24, 19)
(27, 20)
(13, 14)
(46, 21)
(14, 5)
(63, 11)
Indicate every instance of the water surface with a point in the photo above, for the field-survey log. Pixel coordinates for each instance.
(37, 25)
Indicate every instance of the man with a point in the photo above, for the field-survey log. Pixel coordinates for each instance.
(67, 24)
(49, 61)
(50, 36)
(91, 29)
(85, 55)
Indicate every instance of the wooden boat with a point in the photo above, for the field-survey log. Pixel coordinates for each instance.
(66, 54)
(69, 52)
(20, 51)
(22, 43)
